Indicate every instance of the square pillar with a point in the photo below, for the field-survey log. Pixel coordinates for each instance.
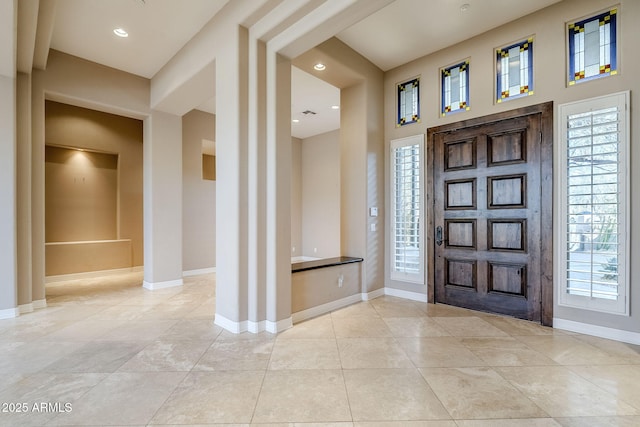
(162, 163)
(8, 170)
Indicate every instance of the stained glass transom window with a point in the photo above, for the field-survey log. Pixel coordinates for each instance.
(455, 88)
(408, 102)
(514, 67)
(592, 47)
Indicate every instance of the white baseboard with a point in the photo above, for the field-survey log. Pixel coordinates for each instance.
(9, 313)
(597, 331)
(198, 272)
(25, 308)
(279, 326)
(325, 308)
(40, 303)
(255, 327)
(414, 296)
(230, 325)
(91, 274)
(368, 296)
(153, 286)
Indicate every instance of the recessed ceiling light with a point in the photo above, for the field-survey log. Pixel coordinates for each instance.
(319, 66)
(335, 107)
(120, 32)
(295, 121)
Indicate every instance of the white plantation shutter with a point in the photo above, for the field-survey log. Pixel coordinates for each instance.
(594, 218)
(407, 213)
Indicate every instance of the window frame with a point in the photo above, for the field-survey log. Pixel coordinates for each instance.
(502, 93)
(621, 305)
(402, 276)
(612, 15)
(414, 117)
(445, 72)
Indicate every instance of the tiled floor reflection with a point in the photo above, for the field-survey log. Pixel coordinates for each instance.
(108, 352)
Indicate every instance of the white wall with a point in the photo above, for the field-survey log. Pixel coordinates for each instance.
(321, 195)
(548, 28)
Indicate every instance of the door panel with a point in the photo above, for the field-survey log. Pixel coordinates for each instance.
(487, 198)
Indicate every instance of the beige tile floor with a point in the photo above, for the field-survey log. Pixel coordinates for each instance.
(118, 354)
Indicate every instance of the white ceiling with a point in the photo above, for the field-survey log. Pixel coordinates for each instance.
(158, 29)
(409, 29)
(308, 93)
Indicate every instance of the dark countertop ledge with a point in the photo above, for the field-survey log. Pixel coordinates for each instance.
(323, 263)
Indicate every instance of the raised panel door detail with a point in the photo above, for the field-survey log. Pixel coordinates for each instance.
(490, 226)
(460, 273)
(507, 235)
(460, 233)
(507, 192)
(460, 155)
(510, 279)
(460, 194)
(507, 148)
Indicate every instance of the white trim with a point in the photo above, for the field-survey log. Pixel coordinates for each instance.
(198, 272)
(413, 296)
(255, 327)
(279, 326)
(230, 325)
(153, 286)
(9, 313)
(419, 277)
(41, 303)
(621, 306)
(597, 331)
(25, 308)
(91, 274)
(368, 296)
(325, 308)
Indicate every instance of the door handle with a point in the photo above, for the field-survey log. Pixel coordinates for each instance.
(439, 235)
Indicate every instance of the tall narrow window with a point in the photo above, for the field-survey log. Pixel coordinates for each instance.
(514, 69)
(592, 47)
(407, 263)
(594, 219)
(408, 102)
(455, 88)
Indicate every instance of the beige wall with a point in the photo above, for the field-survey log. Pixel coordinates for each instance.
(71, 126)
(296, 197)
(548, 28)
(321, 195)
(81, 195)
(83, 83)
(198, 195)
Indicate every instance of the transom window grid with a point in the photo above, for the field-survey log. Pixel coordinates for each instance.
(455, 88)
(594, 220)
(514, 69)
(408, 102)
(592, 47)
(407, 212)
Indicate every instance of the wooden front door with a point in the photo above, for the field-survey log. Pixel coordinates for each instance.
(491, 224)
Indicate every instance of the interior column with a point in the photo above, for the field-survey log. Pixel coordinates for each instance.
(23, 230)
(232, 264)
(162, 162)
(8, 258)
(253, 237)
(278, 192)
